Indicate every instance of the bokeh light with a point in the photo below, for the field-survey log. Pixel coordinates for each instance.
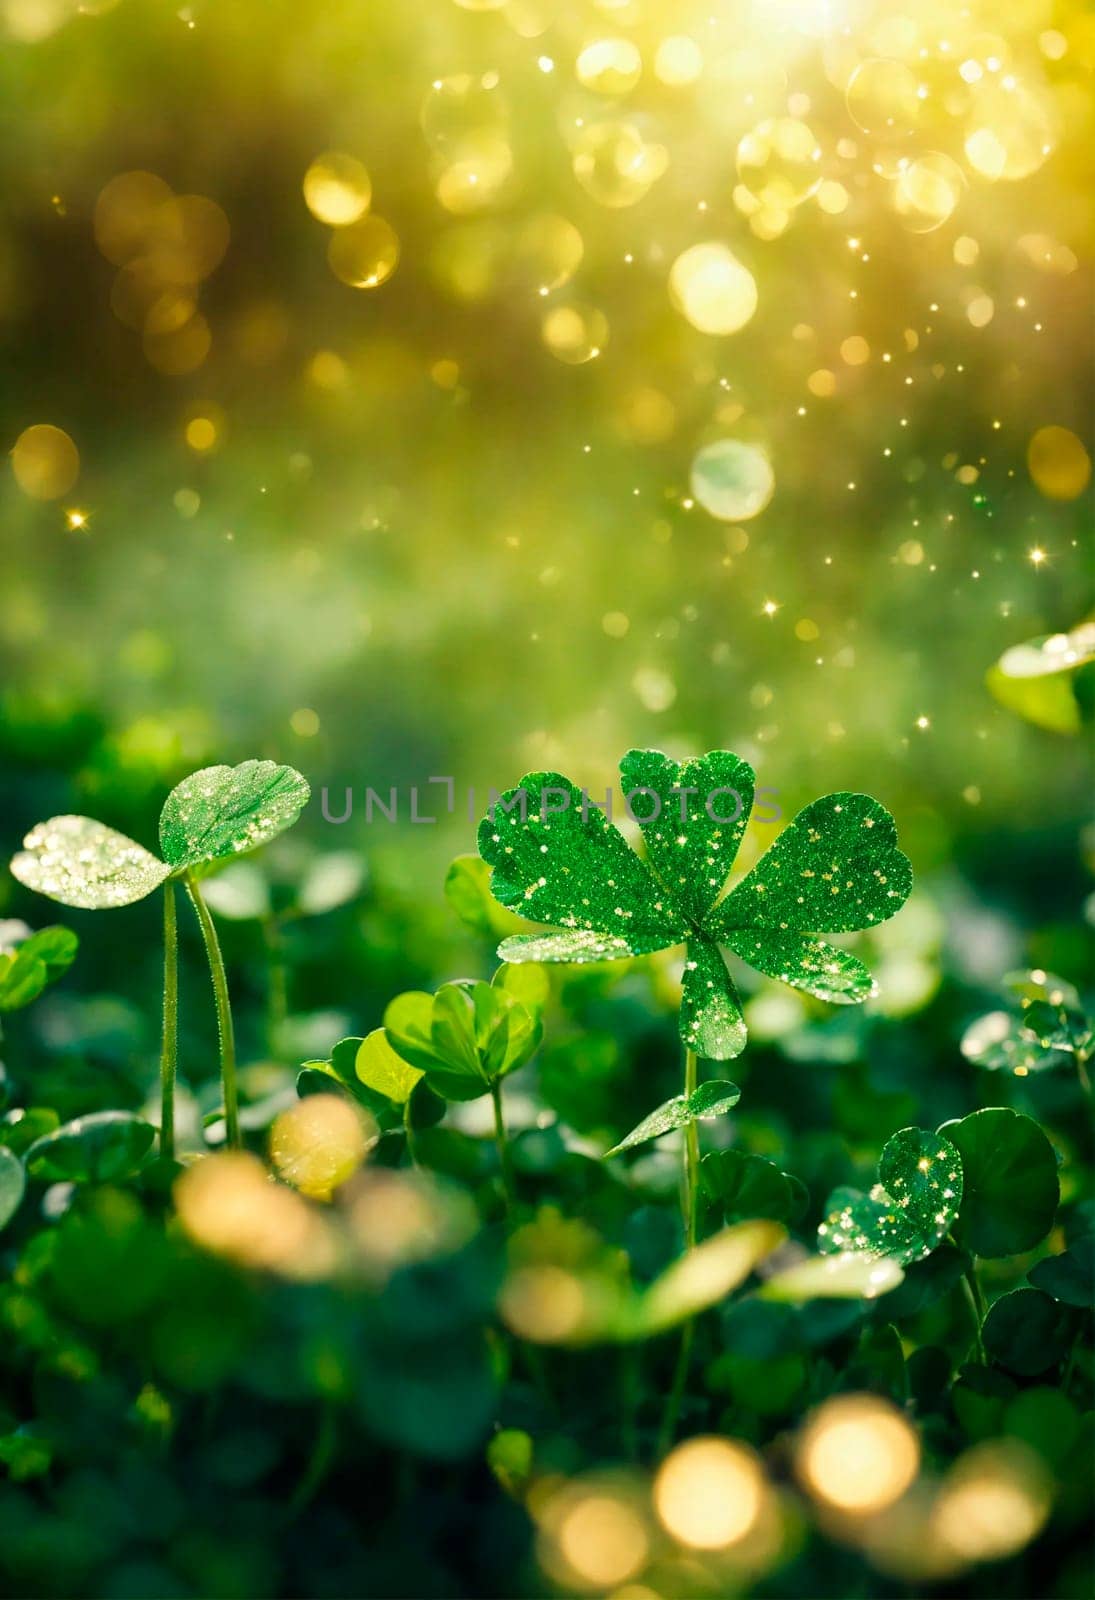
(709, 286)
(858, 1454)
(709, 1493)
(337, 189)
(45, 461)
(732, 479)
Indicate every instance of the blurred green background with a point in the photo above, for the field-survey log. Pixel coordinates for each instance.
(387, 533)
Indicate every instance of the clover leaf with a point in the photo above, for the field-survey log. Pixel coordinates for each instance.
(85, 864)
(1049, 1025)
(1011, 1186)
(38, 961)
(908, 1212)
(557, 859)
(743, 1186)
(99, 1148)
(709, 1100)
(220, 812)
(464, 1038)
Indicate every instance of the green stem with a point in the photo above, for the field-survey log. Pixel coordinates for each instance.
(169, 1057)
(224, 1013)
(1082, 1073)
(319, 1461)
(502, 1143)
(691, 1156)
(976, 1302)
(689, 1201)
(408, 1129)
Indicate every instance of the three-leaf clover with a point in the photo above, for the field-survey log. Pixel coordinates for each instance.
(462, 1041)
(211, 816)
(909, 1211)
(558, 860)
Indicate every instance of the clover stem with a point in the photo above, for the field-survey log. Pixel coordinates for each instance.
(502, 1143)
(224, 1013)
(408, 1129)
(169, 1056)
(976, 1302)
(691, 1155)
(689, 1200)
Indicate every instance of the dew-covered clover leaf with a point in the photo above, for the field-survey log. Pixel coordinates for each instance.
(220, 812)
(83, 863)
(464, 1038)
(710, 1100)
(557, 859)
(1048, 1026)
(38, 961)
(908, 1212)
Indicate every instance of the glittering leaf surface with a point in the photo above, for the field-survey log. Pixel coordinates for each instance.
(574, 944)
(711, 1099)
(835, 868)
(82, 863)
(711, 1022)
(220, 812)
(803, 961)
(553, 864)
(909, 1211)
(692, 817)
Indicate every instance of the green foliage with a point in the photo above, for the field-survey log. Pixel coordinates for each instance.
(1027, 1332)
(12, 1184)
(1049, 1026)
(213, 815)
(1010, 1188)
(558, 860)
(464, 1038)
(99, 1148)
(83, 863)
(742, 1185)
(1047, 680)
(1069, 1277)
(220, 812)
(909, 1211)
(710, 1100)
(38, 961)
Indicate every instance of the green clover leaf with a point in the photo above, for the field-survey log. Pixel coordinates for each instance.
(85, 864)
(462, 1039)
(710, 1100)
(220, 812)
(908, 1212)
(1049, 1026)
(558, 860)
(38, 961)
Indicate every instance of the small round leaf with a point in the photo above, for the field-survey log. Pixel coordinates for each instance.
(1011, 1189)
(99, 1148)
